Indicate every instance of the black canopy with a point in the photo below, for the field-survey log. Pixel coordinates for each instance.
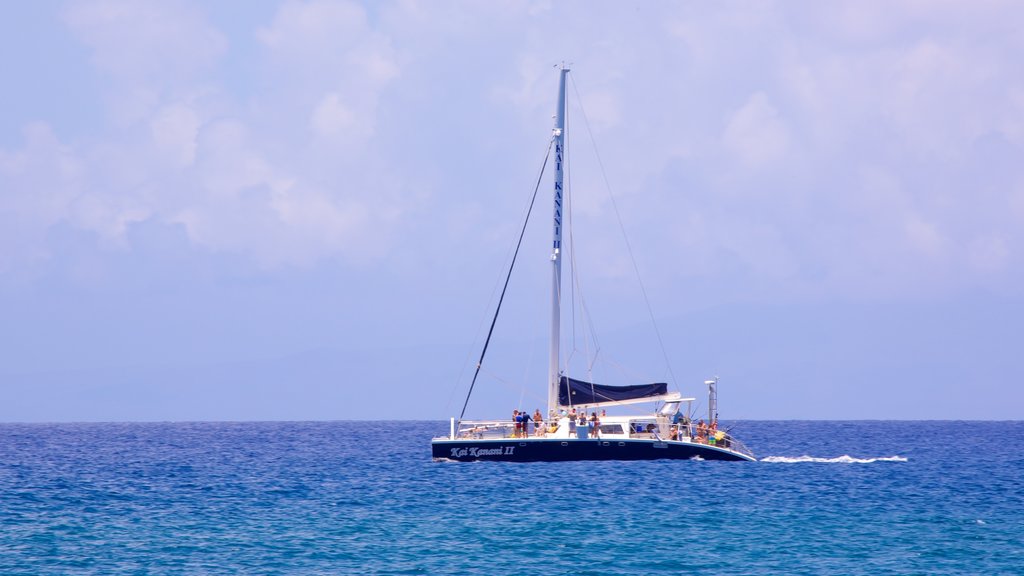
(572, 391)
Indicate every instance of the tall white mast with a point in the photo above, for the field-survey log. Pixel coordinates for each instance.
(556, 249)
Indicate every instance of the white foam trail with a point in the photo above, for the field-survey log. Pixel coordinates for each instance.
(845, 459)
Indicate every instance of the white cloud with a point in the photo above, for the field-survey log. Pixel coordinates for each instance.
(152, 39)
(988, 253)
(327, 69)
(832, 139)
(174, 129)
(147, 49)
(304, 29)
(179, 149)
(247, 204)
(38, 184)
(924, 237)
(331, 116)
(1016, 202)
(757, 133)
(328, 44)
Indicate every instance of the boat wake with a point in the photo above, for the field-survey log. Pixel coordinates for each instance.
(839, 460)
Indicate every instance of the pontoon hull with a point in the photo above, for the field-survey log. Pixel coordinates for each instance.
(570, 449)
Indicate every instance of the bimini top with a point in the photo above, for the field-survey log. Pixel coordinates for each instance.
(572, 392)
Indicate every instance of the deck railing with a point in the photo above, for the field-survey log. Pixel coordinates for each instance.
(496, 429)
(478, 429)
(722, 439)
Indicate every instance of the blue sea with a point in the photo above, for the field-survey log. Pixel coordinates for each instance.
(867, 497)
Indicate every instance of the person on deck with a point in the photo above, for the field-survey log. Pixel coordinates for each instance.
(677, 417)
(538, 422)
(518, 421)
(526, 423)
(594, 423)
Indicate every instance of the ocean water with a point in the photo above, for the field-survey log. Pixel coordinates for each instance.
(364, 497)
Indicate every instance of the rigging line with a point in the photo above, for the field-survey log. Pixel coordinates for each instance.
(622, 227)
(623, 370)
(571, 228)
(508, 277)
(590, 366)
(469, 355)
(511, 386)
(567, 177)
(586, 320)
(577, 291)
(526, 372)
(491, 298)
(483, 320)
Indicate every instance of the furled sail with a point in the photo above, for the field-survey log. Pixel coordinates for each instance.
(575, 392)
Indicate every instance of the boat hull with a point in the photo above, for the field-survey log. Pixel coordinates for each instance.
(572, 449)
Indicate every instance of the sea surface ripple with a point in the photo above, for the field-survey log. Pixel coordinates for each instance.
(364, 497)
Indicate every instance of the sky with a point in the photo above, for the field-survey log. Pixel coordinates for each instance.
(301, 210)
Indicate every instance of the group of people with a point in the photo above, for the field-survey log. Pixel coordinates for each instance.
(705, 433)
(709, 433)
(522, 421)
(582, 426)
(579, 421)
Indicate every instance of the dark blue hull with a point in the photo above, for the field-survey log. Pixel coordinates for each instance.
(571, 449)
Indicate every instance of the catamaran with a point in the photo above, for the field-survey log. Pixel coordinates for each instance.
(566, 433)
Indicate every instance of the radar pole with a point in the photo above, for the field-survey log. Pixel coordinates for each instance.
(712, 400)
